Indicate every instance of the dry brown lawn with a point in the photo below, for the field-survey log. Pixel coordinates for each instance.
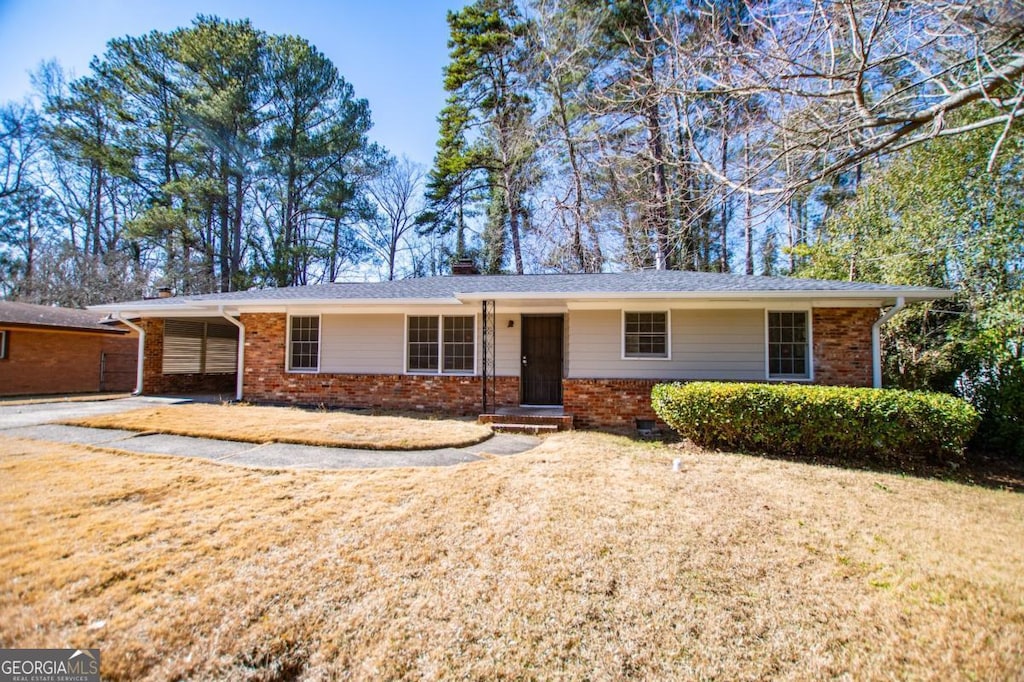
(586, 558)
(253, 424)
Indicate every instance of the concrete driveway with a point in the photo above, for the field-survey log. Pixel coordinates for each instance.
(35, 421)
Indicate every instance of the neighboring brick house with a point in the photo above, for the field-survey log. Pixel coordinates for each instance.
(47, 350)
(590, 344)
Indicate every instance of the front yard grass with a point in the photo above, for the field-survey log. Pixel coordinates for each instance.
(586, 558)
(253, 424)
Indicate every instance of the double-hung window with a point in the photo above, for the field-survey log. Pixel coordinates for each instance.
(788, 345)
(423, 350)
(645, 335)
(304, 343)
(441, 344)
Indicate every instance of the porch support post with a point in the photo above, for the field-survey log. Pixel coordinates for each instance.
(142, 350)
(240, 367)
(488, 387)
(876, 343)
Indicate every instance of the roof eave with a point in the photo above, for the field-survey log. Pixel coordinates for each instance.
(186, 306)
(909, 295)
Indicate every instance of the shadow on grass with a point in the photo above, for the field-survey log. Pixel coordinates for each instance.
(986, 470)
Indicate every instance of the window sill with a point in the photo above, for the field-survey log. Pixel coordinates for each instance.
(434, 373)
(794, 378)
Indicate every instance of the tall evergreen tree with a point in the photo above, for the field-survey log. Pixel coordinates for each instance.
(485, 141)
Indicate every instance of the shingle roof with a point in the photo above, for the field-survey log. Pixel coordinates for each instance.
(27, 314)
(613, 285)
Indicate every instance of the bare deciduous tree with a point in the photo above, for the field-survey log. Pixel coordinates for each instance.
(844, 80)
(397, 194)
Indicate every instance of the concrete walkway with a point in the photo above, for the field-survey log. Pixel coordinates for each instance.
(33, 421)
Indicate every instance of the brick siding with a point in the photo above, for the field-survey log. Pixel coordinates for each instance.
(842, 346)
(613, 404)
(43, 362)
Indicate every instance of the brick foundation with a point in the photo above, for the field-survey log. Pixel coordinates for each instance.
(608, 403)
(155, 382)
(842, 346)
(455, 395)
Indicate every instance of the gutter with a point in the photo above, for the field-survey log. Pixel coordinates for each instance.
(720, 295)
(240, 367)
(142, 349)
(876, 343)
(187, 307)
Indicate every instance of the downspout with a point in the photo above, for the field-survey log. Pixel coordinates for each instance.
(876, 343)
(142, 350)
(240, 369)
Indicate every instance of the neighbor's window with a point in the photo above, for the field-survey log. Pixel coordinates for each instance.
(3, 345)
(304, 343)
(646, 335)
(446, 344)
(788, 352)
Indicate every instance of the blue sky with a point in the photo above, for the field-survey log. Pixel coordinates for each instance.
(392, 51)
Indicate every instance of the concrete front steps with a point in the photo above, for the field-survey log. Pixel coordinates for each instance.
(533, 422)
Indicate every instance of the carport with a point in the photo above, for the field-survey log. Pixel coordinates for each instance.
(189, 355)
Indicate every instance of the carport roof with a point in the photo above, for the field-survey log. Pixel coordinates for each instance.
(462, 288)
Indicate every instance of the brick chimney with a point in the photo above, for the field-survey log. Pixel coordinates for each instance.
(465, 266)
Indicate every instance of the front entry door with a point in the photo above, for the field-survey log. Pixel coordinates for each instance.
(541, 377)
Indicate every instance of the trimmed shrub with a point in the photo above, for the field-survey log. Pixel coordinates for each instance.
(884, 426)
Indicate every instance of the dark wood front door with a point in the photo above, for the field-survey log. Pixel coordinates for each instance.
(541, 377)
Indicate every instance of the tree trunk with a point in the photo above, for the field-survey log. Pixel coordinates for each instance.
(723, 256)
(656, 150)
(225, 227)
(748, 210)
(97, 210)
(595, 262)
(236, 234)
(512, 206)
(335, 245)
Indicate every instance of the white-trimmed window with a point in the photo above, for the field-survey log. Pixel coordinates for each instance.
(3, 344)
(441, 344)
(304, 343)
(645, 334)
(789, 352)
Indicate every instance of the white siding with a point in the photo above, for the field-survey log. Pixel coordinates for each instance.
(706, 344)
(508, 342)
(375, 344)
(362, 344)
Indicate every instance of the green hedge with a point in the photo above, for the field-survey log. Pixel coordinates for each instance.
(885, 426)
